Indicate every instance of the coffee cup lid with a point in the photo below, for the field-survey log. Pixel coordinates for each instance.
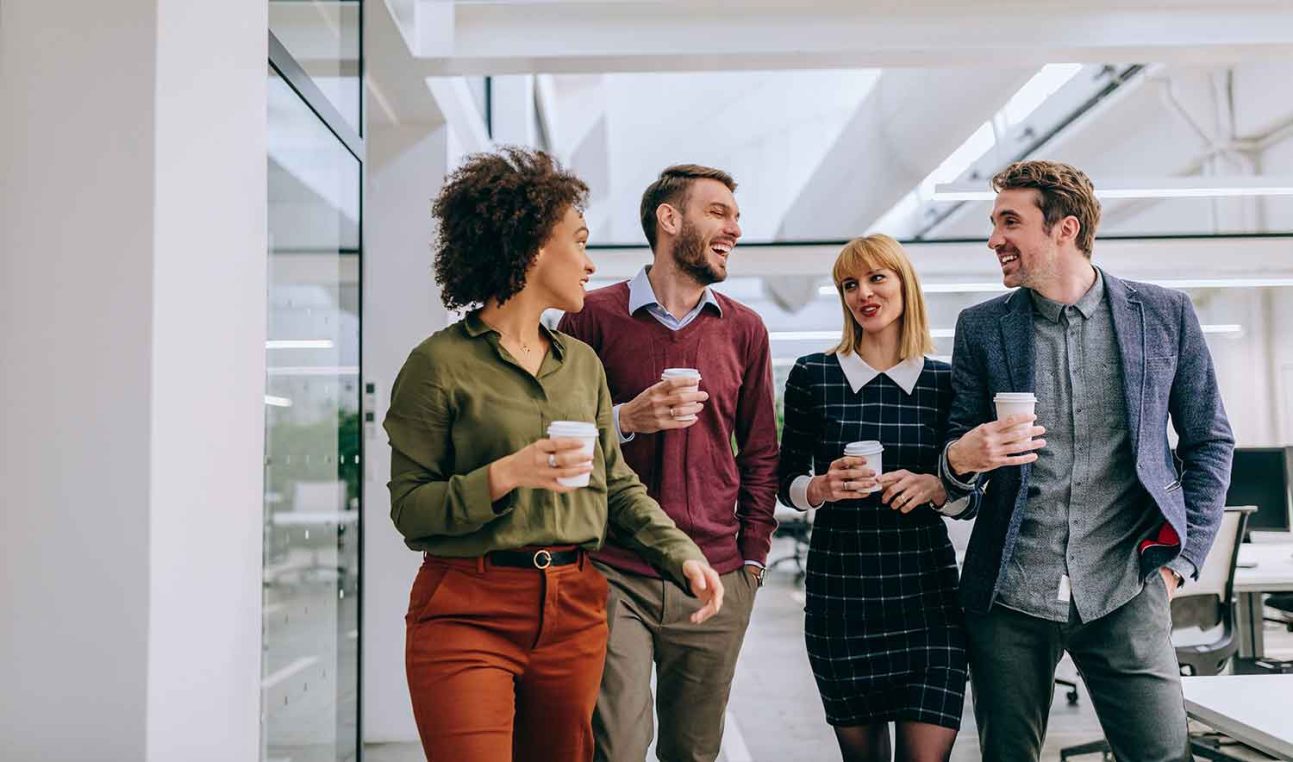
(674, 372)
(1015, 397)
(868, 447)
(572, 429)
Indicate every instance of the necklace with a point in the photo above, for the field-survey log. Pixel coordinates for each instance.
(526, 348)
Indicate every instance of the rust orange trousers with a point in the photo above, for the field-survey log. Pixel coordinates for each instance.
(505, 663)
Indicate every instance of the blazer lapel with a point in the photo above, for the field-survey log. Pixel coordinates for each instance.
(1129, 328)
(1017, 338)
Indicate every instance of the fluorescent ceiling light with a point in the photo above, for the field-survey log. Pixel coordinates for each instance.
(277, 401)
(299, 344)
(1163, 187)
(947, 333)
(942, 288)
(313, 370)
(988, 287)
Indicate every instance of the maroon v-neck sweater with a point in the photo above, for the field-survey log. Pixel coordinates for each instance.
(724, 502)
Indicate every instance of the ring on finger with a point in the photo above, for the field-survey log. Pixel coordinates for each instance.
(673, 412)
(552, 460)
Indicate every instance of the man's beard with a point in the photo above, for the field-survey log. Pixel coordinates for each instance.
(691, 256)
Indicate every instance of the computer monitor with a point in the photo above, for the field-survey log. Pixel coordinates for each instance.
(1260, 477)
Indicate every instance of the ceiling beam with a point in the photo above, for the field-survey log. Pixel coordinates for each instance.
(902, 130)
(568, 37)
(1152, 259)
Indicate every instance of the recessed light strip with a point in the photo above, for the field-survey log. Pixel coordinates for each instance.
(299, 344)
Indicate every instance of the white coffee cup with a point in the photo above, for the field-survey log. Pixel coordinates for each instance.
(872, 453)
(690, 373)
(575, 430)
(1014, 403)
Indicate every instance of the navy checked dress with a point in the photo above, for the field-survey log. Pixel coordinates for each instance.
(883, 625)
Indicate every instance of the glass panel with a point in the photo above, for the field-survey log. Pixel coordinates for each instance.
(311, 627)
(324, 38)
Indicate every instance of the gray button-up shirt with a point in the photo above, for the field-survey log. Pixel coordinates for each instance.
(1086, 511)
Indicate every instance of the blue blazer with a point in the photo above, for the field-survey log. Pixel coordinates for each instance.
(1168, 374)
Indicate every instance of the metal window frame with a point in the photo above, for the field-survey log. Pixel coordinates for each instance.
(287, 67)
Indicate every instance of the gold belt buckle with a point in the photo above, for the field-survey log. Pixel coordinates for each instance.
(542, 558)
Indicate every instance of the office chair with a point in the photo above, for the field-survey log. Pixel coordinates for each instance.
(1283, 603)
(1204, 614)
(798, 526)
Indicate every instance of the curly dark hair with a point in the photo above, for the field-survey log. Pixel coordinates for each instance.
(494, 213)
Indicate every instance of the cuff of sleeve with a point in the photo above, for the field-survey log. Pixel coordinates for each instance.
(480, 509)
(953, 508)
(799, 493)
(1184, 567)
(948, 477)
(615, 416)
(675, 566)
(756, 564)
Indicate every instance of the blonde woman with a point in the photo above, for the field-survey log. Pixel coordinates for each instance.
(883, 627)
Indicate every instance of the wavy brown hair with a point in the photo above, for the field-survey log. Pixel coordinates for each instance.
(672, 187)
(1062, 190)
(494, 213)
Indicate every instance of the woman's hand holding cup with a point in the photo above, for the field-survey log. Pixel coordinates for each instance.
(539, 465)
(848, 478)
(905, 491)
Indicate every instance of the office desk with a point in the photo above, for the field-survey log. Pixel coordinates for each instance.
(1252, 709)
(1272, 574)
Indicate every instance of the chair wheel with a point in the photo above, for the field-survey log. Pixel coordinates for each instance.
(1072, 696)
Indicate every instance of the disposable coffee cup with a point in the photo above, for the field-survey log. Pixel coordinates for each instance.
(1014, 403)
(690, 373)
(872, 453)
(575, 430)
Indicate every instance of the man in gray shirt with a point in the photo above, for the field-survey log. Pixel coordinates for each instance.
(1082, 537)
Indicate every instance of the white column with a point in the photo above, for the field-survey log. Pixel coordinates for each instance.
(512, 113)
(132, 324)
(406, 167)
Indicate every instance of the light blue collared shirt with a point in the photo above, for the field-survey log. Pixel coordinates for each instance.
(642, 295)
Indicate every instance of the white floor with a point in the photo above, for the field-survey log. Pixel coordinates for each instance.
(775, 713)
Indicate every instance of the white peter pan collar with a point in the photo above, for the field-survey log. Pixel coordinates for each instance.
(859, 374)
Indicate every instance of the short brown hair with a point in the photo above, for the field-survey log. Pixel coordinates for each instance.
(1063, 191)
(495, 212)
(672, 187)
(873, 252)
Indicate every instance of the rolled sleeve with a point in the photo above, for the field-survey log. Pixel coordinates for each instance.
(799, 494)
(615, 418)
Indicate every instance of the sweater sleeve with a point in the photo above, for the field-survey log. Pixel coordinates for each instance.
(756, 459)
(799, 431)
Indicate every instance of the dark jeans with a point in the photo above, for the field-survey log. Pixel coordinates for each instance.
(1125, 658)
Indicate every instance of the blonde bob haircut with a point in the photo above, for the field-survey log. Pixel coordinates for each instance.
(880, 252)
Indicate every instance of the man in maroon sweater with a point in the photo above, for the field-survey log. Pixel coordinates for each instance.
(668, 317)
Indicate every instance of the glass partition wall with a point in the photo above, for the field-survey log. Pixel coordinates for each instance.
(313, 462)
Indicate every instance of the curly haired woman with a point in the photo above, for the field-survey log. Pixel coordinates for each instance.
(506, 628)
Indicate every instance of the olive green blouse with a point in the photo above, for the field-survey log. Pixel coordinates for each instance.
(461, 402)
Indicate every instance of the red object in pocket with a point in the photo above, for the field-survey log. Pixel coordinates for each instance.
(1167, 537)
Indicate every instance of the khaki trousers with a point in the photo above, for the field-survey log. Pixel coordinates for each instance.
(503, 663)
(694, 666)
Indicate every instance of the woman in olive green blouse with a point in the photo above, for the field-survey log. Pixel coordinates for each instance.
(506, 624)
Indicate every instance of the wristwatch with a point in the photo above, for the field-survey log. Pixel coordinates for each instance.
(758, 572)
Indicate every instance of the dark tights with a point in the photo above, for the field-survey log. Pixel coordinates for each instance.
(915, 742)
